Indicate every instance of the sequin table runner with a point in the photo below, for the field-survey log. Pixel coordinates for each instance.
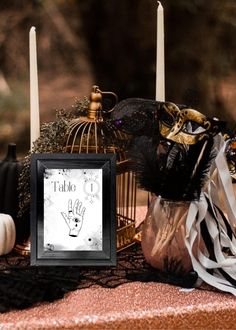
(133, 305)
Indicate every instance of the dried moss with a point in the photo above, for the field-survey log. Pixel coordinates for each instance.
(52, 140)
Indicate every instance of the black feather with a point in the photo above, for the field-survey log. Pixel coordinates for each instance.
(167, 169)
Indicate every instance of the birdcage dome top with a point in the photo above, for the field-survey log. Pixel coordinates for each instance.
(94, 133)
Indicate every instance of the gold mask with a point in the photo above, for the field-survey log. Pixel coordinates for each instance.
(185, 126)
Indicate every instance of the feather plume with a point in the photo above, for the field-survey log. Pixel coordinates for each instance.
(169, 170)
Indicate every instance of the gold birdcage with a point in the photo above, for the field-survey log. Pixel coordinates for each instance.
(95, 134)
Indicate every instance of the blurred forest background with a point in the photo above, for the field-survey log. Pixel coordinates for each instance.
(112, 43)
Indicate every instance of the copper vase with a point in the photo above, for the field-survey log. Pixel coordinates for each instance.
(163, 234)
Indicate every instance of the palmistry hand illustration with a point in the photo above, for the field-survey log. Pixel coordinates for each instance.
(75, 217)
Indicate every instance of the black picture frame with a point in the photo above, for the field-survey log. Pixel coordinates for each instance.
(86, 185)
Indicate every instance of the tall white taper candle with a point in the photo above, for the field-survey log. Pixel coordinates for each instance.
(34, 95)
(160, 55)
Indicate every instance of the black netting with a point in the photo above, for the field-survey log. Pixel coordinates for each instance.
(22, 285)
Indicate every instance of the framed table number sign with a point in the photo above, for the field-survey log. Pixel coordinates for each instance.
(73, 209)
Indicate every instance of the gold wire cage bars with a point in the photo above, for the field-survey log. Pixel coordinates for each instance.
(94, 134)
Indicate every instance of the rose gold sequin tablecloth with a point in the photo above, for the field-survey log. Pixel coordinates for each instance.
(132, 306)
(129, 306)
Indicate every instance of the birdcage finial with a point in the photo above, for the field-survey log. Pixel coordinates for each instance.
(95, 105)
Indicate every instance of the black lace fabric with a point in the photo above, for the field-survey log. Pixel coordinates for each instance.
(22, 285)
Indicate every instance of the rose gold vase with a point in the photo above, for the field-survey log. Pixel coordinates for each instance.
(163, 234)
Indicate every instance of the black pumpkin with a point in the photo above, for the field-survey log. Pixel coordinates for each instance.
(10, 169)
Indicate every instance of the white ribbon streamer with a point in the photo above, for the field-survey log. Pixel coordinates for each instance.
(224, 180)
(220, 183)
(201, 263)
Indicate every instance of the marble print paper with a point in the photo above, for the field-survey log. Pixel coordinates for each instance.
(73, 209)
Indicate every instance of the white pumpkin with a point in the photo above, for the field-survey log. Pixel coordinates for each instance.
(7, 233)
